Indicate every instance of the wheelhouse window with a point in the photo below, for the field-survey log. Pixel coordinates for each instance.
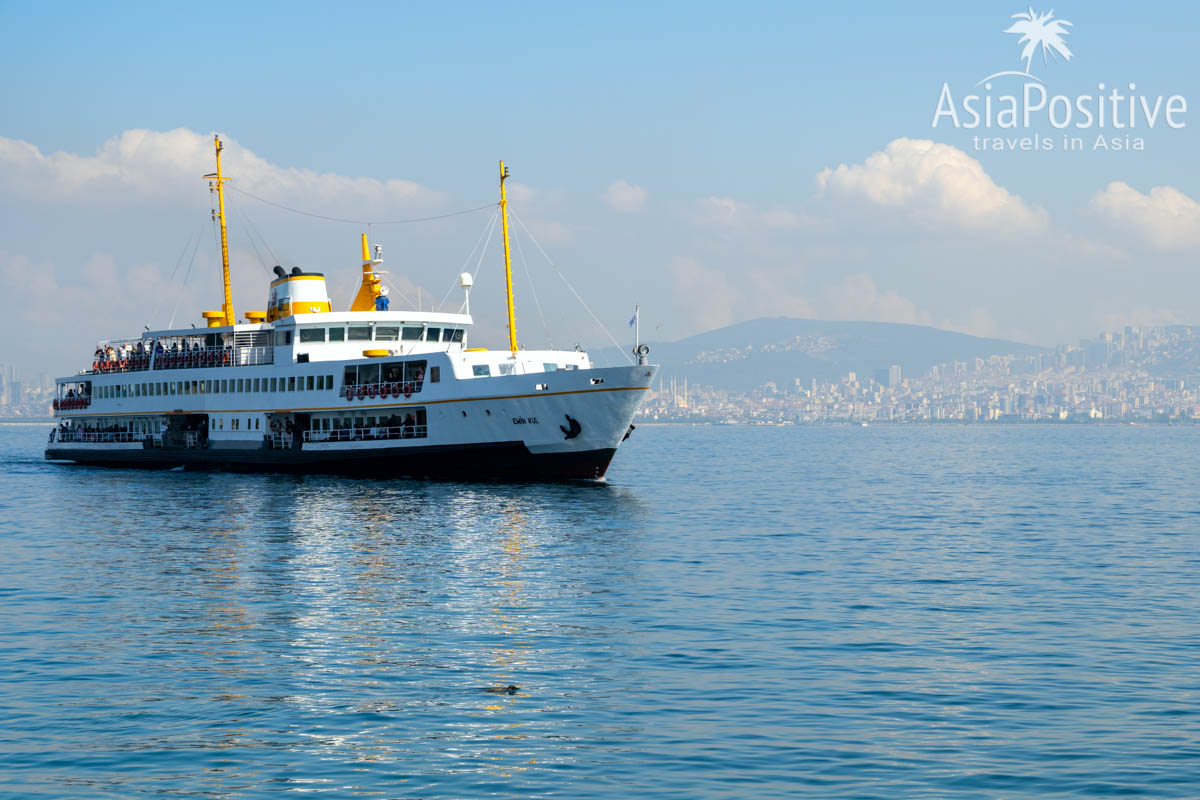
(411, 334)
(507, 369)
(387, 333)
(433, 334)
(337, 334)
(312, 334)
(452, 335)
(360, 333)
(481, 371)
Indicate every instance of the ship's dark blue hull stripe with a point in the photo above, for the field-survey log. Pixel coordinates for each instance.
(501, 459)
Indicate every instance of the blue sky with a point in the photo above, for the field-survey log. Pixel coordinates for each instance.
(687, 102)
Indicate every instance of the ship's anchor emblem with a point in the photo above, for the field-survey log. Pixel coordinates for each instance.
(575, 428)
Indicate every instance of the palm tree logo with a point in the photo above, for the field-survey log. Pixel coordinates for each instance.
(1037, 31)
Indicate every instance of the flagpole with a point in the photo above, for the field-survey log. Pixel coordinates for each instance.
(637, 327)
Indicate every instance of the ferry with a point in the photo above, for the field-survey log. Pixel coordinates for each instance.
(300, 387)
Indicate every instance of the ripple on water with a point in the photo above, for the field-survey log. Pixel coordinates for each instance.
(887, 612)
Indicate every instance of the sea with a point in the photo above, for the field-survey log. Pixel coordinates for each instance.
(937, 611)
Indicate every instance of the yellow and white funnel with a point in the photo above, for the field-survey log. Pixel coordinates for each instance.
(297, 292)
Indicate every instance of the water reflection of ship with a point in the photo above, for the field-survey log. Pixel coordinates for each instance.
(311, 600)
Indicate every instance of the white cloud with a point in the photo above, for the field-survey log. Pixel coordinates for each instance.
(1165, 219)
(623, 196)
(934, 186)
(858, 298)
(703, 294)
(726, 212)
(148, 165)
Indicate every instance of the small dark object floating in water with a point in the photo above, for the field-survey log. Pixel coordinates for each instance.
(510, 689)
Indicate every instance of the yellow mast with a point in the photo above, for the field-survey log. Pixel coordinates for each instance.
(216, 178)
(512, 319)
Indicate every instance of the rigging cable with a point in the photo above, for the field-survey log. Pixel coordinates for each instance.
(487, 241)
(187, 273)
(533, 239)
(261, 238)
(199, 233)
(533, 291)
(487, 228)
(362, 221)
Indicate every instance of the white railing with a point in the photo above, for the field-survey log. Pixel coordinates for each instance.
(100, 436)
(371, 434)
(254, 356)
(281, 441)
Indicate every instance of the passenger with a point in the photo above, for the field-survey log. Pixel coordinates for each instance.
(409, 427)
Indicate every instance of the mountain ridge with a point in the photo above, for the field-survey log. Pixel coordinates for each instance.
(746, 355)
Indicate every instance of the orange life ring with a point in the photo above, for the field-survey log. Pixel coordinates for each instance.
(372, 390)
(408, 390)
(349, 392)
(362, 392)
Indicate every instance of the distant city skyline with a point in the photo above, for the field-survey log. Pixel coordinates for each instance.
(711, 165)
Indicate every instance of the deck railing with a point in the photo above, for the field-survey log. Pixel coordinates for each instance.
(100, 436)
(374, 433)
(196, 358)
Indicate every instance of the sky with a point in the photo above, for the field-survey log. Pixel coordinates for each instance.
(710, 163)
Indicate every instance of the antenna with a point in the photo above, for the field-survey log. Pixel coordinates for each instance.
(217, 181)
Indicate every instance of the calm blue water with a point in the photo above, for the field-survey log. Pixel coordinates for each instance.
(942, 612)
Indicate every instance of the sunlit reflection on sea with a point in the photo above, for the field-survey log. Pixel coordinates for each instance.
(889, 612)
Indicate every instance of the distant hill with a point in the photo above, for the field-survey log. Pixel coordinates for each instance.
(746, 355)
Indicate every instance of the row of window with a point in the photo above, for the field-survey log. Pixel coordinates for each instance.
(412, 372)
(506, 368)
(292, 383)
(373, 333)
(235, 424)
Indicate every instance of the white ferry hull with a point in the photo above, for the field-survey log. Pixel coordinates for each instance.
(508, 428)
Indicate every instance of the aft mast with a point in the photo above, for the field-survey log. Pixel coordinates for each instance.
(216, 179)
(512, 319)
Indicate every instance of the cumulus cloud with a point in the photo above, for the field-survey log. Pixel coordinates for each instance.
(934, 186)
(1165, 218)
(857, 297)
(623, 196)
(148, 165)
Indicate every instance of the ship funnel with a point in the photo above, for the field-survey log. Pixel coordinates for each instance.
(297, 293)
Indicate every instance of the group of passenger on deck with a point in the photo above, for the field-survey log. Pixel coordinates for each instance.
(83, 432)
(127, 357)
